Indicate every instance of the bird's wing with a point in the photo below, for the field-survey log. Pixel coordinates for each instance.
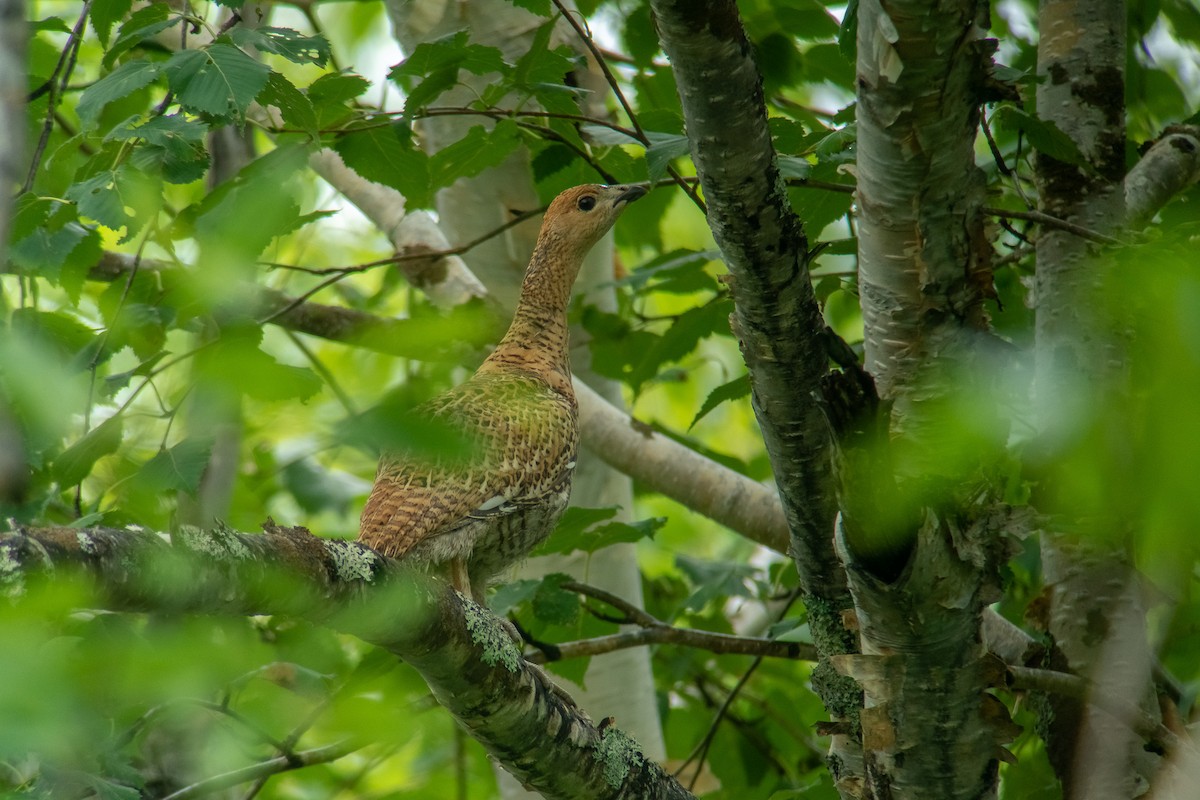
(518, 461)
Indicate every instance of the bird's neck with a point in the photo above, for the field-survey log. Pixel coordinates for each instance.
(537, 340)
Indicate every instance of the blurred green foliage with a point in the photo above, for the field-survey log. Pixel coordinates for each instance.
(111, 390)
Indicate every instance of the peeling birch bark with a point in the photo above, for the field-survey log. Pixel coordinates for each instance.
(1095, 615)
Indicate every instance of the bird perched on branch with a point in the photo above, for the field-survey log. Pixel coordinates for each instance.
(478, 515)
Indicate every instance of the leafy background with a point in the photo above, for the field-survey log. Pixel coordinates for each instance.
(110, 382)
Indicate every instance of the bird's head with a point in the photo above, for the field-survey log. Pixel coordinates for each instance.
(581, 215)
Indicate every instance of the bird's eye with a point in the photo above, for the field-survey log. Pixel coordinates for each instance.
(586, 203)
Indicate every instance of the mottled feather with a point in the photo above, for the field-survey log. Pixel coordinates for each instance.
(485, 512)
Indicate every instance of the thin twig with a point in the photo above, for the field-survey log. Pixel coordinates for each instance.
(272, 766)
(65, 65)
(586, 37)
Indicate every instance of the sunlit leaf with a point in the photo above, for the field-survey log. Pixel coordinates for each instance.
(124, 80)
(220, 80)
(292, 45)
(294, 106)
(735, 389)
(104, 14)
(177, 468)
(142, 24)
(76, 461)
(379, 155)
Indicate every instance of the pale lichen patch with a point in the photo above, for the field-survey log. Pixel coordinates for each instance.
(619, 753)
(219, 543)
(352, 563)
(86, 543)
(12, 577)
(487, 632)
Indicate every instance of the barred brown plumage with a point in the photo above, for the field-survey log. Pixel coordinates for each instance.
(487, 511)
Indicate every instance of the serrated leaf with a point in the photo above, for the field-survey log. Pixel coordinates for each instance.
(121, 82)
(736, 389)
(580, 531)
(1043, 135)
(453, 51)
(110, 790)
(540, 64)
(178, 468)
(379, 155)
(172, 146)
(664, 147)
(104, 14)
(554, 605)
(53, 24)
(480, 149)
(606, 136)
(141, 25)
(260, 191)
(511, 595)
(336, 89)
(714, 580)
(44, 251)
(793, 167)
(680, 268)
(680, 339)
(285, 42)
(116, 198)
(62, 335)
(220, 80)
(294, 106)
(75, 463)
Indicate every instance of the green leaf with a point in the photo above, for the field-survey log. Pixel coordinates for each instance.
(141, 25)
(317, 488)
(261, 191)
(238, 363)
(847, 36)
(63, 335)
(116, 198)
(511, 595)
(121, 82)
(379, 154)
(294, 106)
(334, 90)
(110, 790)
(663, 149)
(105, 13)
(553, 604)
(676, 271)
(681, 339)
(45, 251)
(173, 146)
(285, 42)
(480, 149)
(1043, 135)
(452, 51)
(714, 580)
(734, 390)
(579, 531)
(178, 468)
(75, 463)
(220, 80)
(53, 24)
(793, 167)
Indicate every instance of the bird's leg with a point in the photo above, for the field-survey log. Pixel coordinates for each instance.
(459, 578)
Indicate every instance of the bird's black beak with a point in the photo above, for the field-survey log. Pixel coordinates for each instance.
(630, 194)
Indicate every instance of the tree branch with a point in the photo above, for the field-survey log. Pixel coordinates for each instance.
(1171, 165)
(777, 320)
(263, 769)
(461, 650)
(654, 631)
